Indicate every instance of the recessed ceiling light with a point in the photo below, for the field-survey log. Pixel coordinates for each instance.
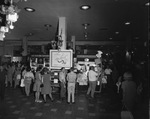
(116, 32)
(147, 4)
(110, 38)
(85, 7)
(29, 9)
(127, 23)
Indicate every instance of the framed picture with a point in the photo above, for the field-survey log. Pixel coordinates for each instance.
(60, 58)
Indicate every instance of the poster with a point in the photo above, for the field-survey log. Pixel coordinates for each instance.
(60, 58)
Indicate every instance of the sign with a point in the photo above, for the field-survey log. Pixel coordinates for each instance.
(60, 58)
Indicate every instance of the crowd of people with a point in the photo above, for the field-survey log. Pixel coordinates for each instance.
(28, 80)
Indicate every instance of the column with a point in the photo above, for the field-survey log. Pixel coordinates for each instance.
(62, 31)
(73, 43)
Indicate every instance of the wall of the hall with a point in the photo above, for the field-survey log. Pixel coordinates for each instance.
(7, 47)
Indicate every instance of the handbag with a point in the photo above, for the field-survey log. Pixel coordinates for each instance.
(125, 113)
(18, 76)
(22, 83)
(42, 85)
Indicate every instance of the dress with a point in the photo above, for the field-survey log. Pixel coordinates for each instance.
(47, 84)
(17, 77)
(37, 83)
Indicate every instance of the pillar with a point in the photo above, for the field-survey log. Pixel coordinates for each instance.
(62, 31)
(73, 43)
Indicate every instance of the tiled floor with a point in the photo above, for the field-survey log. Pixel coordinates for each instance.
(18, 106)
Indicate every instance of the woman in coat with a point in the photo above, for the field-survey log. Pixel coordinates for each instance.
(46, 89)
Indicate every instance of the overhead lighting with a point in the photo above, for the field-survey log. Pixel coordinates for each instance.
(86, 34)
(29, 9)
(85, 7)
(10, 12)
(127, 23)
(85, 25)
(147, 4)
(116, 32)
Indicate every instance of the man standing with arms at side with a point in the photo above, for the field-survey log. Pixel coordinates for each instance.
(71, 78)
(92, 75)
(3, 76)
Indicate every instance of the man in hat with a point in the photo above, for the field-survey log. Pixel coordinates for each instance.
(129, 91)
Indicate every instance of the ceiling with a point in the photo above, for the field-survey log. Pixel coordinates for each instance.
(105, 18)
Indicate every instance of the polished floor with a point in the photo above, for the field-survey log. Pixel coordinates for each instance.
(18, 106)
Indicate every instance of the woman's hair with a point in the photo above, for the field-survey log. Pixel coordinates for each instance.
(28, 69)
(71, 69)
(45, 70)
(38, 69)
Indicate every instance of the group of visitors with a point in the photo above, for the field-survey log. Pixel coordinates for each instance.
(39, 81)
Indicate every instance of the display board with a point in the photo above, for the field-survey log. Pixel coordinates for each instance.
(60, 58)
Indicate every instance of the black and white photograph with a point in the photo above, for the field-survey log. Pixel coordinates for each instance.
(74, 59)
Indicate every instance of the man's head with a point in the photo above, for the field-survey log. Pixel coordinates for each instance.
(127, 76)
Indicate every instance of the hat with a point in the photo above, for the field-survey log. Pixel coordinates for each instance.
(127, 75)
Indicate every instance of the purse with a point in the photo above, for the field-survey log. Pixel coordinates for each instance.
(42, 85)
(126, 114)
(22, 83)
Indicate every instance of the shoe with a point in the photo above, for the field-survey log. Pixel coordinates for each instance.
(68, 102)
(39, 101)
(73, 102)
(52, 100)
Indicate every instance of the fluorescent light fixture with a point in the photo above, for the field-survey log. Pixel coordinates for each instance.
(29, 9)
(116, 32)
(127, 23)
(85, 7)
(147, 4)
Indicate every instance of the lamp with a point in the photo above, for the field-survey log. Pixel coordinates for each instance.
(9, 11)
(85, 25)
